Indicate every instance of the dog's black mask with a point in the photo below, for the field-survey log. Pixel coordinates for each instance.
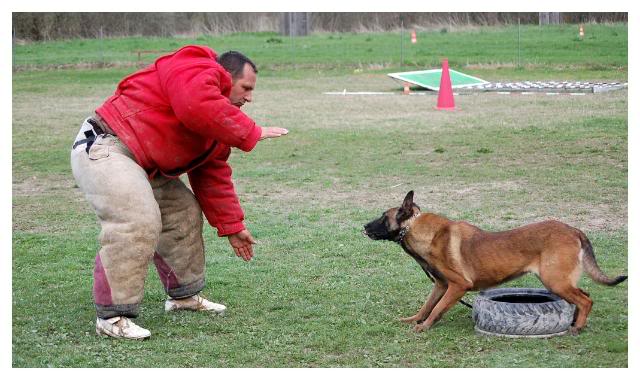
(381, 229)
(389, 225)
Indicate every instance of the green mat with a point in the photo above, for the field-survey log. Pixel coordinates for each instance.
(430, 79)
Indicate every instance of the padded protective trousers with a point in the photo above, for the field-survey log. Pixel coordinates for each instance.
(141, 220)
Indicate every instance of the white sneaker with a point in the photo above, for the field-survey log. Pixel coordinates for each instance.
(194, 303)
(121, 327)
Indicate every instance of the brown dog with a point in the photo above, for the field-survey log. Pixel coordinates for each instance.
(460, 257)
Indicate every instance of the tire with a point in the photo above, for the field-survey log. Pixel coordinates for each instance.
(521, 312)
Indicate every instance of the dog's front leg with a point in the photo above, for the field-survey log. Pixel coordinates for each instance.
(436, 294)
(452, 295)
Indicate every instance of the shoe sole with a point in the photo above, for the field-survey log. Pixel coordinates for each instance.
(106, 333)
(220, 313)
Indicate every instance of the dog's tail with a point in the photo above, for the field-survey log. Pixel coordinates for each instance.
(591, 266)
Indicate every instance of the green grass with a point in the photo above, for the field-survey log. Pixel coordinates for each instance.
(317, 293)
(603, 51)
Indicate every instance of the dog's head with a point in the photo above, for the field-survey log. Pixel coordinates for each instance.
(389, 225)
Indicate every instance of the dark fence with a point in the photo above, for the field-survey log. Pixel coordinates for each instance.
(54, 26)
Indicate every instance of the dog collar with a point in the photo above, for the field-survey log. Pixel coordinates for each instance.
(405, 229)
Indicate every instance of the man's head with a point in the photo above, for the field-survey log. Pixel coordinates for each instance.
(243, 73)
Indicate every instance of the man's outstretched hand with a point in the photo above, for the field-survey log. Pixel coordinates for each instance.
(271, 132)
(242, 244)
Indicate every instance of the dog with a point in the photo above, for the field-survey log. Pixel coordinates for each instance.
(460, 257)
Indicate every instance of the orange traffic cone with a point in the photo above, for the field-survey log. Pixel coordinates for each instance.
(407, 89)
(581, 32)
(414, 38)
(445, 92)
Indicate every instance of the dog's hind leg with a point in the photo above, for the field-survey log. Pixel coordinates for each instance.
(560, 272)
(436, 294)
(583, 304)
(452, 295)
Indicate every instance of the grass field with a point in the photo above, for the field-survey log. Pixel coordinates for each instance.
(543, 52)
(318, 294)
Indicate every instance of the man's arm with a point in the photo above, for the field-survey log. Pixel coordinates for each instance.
(213, 187)
(214, 190)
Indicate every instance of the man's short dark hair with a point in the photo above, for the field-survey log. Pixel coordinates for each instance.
(234, 61)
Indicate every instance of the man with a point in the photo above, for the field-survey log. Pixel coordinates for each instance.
(179, 115)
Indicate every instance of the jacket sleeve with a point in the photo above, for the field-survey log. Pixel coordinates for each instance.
(193, 88)
(212, 185)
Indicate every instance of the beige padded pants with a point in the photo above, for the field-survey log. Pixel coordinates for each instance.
(141, 220)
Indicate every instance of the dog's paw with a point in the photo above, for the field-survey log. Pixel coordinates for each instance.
(409, 319)
(574, 330)
(419, 328)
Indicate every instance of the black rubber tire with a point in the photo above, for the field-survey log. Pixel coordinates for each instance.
(549, 315)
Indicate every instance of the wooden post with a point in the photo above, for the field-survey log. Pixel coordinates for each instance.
(101, 47)
(401, 42)
(543, 18)
(13, 49)
(518, 41)
(295, 24)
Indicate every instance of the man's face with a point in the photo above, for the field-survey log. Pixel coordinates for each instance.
(243, 87)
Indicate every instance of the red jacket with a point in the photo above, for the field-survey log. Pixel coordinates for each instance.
(175, 117)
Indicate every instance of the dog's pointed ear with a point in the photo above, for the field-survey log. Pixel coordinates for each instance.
(407, 204)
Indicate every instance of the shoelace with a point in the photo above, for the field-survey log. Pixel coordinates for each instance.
(123, 324)
(200, 301)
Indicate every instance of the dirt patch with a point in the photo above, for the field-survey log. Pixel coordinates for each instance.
(343, 190)
(40, 185)
(493, 205)
(47, 204)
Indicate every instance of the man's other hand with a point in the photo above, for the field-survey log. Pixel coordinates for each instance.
(241, 243)
(271, 132)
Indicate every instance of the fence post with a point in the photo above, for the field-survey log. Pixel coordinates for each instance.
(518, 41)
(401, 43)
(101, 48)
(13, 49)
(295, 23)
(543, 18)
